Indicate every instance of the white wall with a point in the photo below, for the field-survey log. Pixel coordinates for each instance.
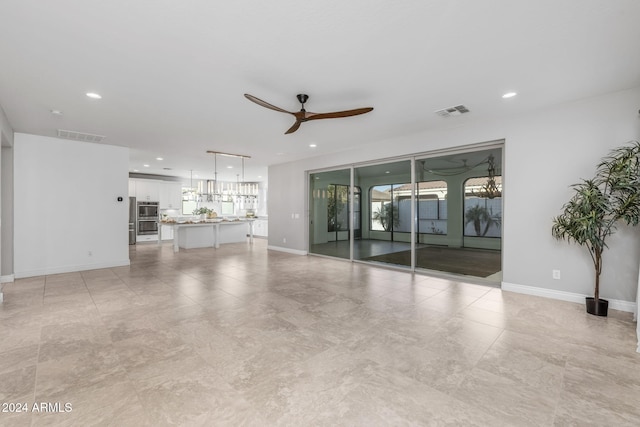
(6, 200)
(66, 205)
(545, 152)
(6, 213)
(287, 198)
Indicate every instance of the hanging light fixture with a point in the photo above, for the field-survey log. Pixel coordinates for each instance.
(490, 190)
(190, 192)
(239, 190)
(213, 186)
(241, 187)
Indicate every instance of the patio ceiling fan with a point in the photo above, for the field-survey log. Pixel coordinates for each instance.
(304, 115)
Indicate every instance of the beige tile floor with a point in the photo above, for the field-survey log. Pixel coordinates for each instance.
(246, 336)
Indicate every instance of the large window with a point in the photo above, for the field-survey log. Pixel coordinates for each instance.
(482, 211)
(381, 208)
(432, 207)
(390, 207)
(338, 207)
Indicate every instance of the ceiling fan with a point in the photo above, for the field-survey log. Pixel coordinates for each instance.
(304, 115)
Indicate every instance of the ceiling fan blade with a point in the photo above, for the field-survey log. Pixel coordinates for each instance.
(265, 104)
(337, 114)
(294, 128)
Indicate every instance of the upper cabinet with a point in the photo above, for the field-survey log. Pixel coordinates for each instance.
(132, 188)
(170, 195)
(147, 190)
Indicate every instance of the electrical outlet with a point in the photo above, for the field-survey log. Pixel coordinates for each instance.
(556, 274)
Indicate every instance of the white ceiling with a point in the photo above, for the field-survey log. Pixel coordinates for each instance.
(172, 74)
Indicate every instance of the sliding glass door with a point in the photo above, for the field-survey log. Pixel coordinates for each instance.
(440, 213)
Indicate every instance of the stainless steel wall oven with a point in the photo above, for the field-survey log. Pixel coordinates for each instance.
(148, 210)
(147, 218)
(147, 226)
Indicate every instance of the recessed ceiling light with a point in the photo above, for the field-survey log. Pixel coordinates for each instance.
(135, 170)
(146, 166)
(509, 95)
(56, 112)
(259, 176)
(159, 158)
(387, 172)
(229, 167)
(94, 95)
(312, 145)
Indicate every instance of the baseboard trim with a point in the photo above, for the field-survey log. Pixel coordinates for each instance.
(614, 304)
(71, 269)
(287, 250)
(9, 278)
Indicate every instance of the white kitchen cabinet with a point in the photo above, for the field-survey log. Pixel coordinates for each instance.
(146, 238)
(147, 190)
(167, 232)
(132, 188)
(261, 228)
(170, 195)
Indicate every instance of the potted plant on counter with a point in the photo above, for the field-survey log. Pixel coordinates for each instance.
(595, 209)
(202, 212)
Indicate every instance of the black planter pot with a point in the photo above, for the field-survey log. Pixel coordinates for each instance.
(603, 306)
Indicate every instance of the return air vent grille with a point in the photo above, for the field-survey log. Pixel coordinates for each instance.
(80, 136)
(452, 111)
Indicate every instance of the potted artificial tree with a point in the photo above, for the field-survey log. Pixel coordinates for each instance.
(591, 215)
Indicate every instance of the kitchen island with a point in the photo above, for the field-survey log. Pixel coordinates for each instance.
(190, 235)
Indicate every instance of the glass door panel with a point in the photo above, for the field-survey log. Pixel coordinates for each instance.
(329, 213)
(385, 203)
(459, 211)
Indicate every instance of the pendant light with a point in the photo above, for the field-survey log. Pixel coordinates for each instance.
(190, 193)
(215, 190)
(491, 189)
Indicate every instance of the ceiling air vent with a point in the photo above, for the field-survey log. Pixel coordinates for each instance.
(452, 111)
(80, 136)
